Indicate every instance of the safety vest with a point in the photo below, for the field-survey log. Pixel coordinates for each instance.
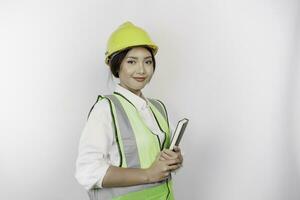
(138, 147)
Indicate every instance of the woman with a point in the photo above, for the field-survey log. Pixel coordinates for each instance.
(123, 148)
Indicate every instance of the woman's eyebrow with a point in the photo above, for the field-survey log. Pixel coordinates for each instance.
(137, 57)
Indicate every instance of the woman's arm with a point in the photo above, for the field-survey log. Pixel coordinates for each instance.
(94, 144)
(158, 171)
(119, 177)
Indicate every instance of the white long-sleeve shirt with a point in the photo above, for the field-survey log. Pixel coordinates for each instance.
(97, 146)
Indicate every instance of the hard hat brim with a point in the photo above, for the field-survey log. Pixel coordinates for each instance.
(109, 57)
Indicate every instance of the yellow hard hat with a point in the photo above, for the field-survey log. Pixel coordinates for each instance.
(127, 35)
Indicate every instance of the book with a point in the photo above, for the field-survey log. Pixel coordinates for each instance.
(178, 133)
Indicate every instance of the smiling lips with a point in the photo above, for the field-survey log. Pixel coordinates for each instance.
(139, 79)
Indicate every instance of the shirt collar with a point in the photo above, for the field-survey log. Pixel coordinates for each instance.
(136, 100)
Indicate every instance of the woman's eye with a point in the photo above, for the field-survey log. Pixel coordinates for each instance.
(130, 61)
(149, 62)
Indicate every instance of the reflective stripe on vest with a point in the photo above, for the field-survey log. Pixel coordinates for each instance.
(134, 149)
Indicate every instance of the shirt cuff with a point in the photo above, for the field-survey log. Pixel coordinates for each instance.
(103, 171)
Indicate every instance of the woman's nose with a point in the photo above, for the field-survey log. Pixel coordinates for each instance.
(141, 68)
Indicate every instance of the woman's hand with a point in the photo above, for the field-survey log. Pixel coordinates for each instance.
(160, 169)
(176, 155)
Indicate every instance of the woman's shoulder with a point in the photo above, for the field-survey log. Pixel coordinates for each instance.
(100, 107)
(156, 101)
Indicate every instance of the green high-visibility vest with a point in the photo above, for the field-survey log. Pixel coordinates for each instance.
(138, 147)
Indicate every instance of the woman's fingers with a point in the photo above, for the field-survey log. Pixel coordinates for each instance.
(171, 157)
(163, 156)
(174, 167)
(173, 161)
(169, 152)
(166, 155)
(177, 149)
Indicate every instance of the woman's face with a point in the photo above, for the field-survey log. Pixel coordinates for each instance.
(136, 69)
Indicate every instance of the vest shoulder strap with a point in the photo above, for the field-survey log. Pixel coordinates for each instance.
(110, 100)
(126, 132)
(160, 107)
(98, 98)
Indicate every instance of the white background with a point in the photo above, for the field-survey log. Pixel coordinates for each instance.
(231, 67)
